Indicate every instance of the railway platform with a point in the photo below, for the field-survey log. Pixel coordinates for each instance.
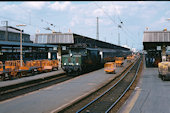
(56, 97)
(151, 94)
(30, 78)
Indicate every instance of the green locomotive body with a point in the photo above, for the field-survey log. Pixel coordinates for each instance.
(80, 60)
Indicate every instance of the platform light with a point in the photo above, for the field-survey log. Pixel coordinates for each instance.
(21, 43)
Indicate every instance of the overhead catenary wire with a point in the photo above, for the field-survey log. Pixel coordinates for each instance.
(128, 32)
(106, 14)
(42, 20)
(123, 24)
(47, 22)
(21, 22)
(30, 22)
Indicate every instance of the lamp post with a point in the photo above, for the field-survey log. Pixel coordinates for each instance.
(21, 44)
(119, 26)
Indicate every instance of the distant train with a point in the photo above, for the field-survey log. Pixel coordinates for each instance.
(83, 59)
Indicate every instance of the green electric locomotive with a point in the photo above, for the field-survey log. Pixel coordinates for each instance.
(80, 60)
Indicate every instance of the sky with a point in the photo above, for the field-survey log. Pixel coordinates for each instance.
(80, 18)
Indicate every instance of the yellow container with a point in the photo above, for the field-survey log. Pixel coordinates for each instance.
(55, 64)
(12, 67)
(1, 67)
(110, 67)
(119, 61)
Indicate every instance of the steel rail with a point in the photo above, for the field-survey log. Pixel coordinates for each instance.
(31, 85)
(34, 86)
(105, 91)
(124, 91)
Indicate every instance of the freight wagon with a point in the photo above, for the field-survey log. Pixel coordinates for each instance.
(13, 69)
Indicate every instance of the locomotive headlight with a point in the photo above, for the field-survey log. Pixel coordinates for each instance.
(77, 63)
(64, 63)
(71, 54)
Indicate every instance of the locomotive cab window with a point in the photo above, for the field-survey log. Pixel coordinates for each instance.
(77, 51)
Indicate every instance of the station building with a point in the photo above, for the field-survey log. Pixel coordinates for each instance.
(13, 34)
(10, 46)
(157, 47)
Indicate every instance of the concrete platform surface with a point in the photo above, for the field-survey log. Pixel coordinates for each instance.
(151, 95)
(55, 97)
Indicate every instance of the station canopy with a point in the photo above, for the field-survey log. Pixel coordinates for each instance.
(156, 39)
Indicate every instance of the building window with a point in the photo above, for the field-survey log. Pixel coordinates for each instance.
(1, 36)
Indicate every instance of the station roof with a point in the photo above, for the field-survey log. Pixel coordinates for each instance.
(156, 36)
(152, 39)
(54, 38)
(73, 38)
(98, 43)
(9, 43)
(11, 29)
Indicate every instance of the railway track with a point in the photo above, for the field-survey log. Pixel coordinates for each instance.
(103, 100)
(106, 101)
(15, 90)
(30, 86)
